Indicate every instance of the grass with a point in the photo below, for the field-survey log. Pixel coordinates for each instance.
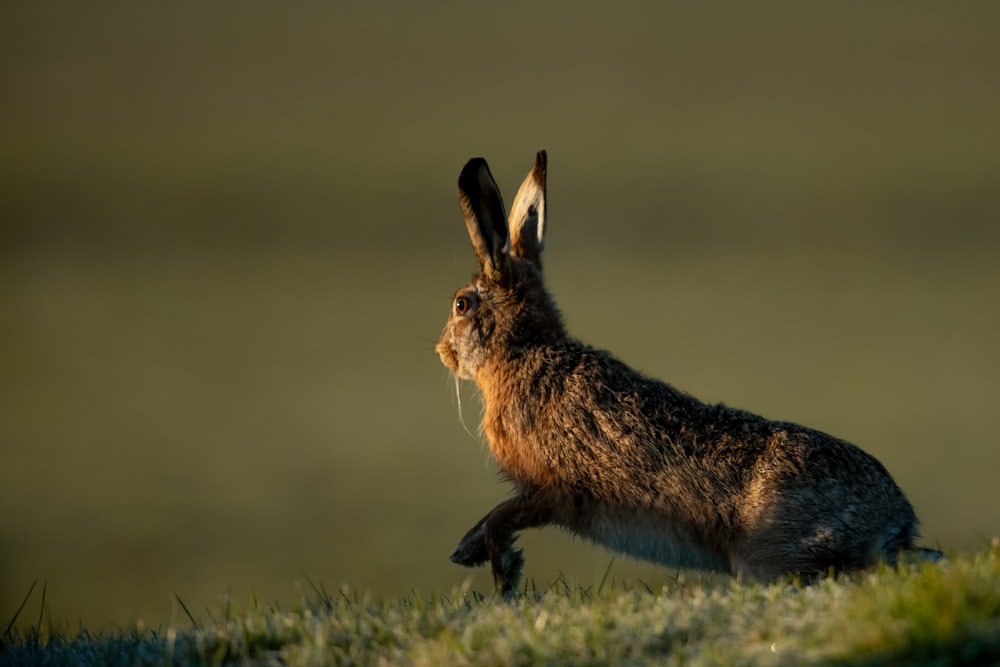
(920, 613)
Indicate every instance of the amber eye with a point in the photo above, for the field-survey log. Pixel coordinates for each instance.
(462, 305)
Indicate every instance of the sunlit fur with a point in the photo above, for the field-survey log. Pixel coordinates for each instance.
(633, 463)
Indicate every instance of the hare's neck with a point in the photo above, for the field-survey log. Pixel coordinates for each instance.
(515, 393)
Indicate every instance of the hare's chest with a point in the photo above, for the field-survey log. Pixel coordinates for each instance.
(653, 539)
(519, 457)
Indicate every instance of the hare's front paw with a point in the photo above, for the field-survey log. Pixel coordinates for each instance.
(508, 575)
(471, 551)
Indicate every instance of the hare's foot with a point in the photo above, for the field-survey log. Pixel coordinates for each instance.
(508, 564)
(492, 539)
(471, 550)
(507, 572)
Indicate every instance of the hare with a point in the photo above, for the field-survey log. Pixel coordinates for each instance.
(627, 461)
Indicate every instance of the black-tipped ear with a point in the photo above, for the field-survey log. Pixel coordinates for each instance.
(484, 215)
(527, 215)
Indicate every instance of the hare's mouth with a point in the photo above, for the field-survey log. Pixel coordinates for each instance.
(448, 356)
(456, 363)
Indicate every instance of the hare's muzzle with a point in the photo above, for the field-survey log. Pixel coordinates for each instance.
(447, 353)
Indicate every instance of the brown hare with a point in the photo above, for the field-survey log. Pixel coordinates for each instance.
(630, 462)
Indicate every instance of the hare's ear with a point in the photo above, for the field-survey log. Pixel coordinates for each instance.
(527, 215)
(484, 216)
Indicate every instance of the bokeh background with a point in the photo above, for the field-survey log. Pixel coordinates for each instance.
(230, 234)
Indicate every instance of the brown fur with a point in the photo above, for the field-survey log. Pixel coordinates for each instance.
(631, 462)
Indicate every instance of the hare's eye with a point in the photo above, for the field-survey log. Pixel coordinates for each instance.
(461, 305)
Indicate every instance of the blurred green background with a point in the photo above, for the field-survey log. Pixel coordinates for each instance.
(230, 234)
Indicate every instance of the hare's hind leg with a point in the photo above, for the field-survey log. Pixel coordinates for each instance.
(824, 544)
(492, 539)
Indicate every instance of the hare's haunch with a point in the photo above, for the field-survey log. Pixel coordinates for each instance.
(630, 462)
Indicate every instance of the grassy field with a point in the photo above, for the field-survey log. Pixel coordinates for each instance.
(228, 236)
(920, 614)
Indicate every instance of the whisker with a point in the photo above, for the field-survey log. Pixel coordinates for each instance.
(458, 397)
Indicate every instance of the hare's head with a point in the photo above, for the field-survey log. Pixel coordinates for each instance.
(506, 307)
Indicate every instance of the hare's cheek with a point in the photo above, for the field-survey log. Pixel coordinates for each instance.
(470, 357)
